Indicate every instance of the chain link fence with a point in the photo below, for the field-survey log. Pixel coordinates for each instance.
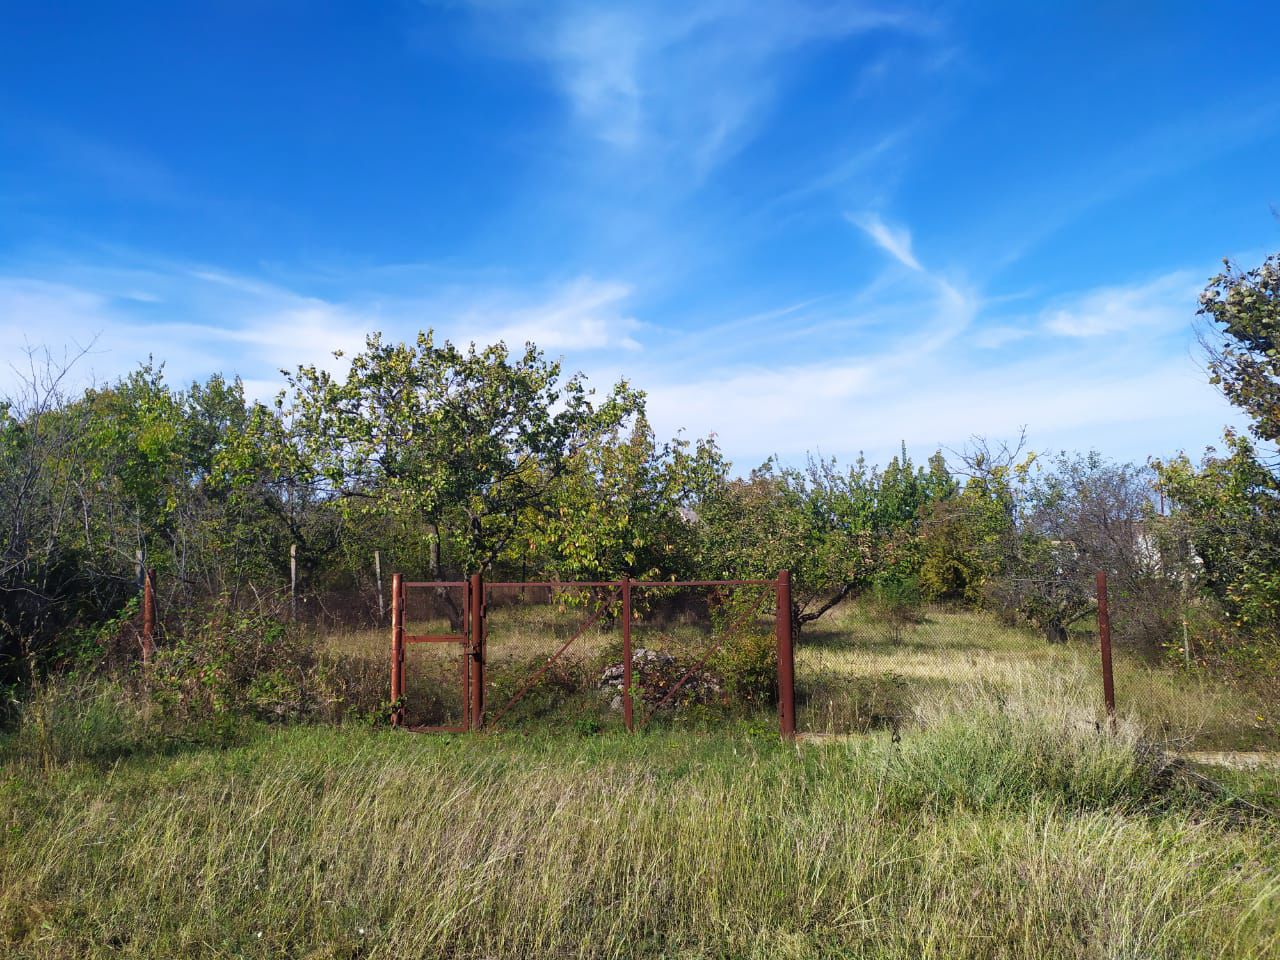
(862, 668)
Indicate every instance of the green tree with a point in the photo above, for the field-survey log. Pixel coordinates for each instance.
(626, 506)
(467, 440)
(1226, 511)
(1244, 345)
(840, 531)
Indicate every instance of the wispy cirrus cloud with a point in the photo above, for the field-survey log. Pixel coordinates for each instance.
(895, 241)
(200, 320)
(916, 359)
(689, 79)
(1165, 304)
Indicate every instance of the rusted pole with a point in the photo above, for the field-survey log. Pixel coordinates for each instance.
(477, 651)
(627, 711)
(786, 658)
(1104, 643)
(397, 645)
(148, 615)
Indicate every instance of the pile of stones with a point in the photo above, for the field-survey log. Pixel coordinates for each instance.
(653, 674)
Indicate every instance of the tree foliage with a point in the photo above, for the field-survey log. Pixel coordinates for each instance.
(1226, 516)
(468, 440)
(1244, 357)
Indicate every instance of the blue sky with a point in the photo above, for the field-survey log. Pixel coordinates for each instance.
(803, 226)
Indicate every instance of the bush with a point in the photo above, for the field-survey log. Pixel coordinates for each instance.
(747, 664)
(898, 602)
(230, 663)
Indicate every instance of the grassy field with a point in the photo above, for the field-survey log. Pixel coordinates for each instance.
(995, 819)
(977, 836)
(855, 673)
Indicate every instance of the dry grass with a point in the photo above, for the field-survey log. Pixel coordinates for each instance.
(980, 837)
(854, 674)
(1001, 820)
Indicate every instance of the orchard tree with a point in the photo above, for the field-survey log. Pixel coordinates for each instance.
(1227, 510)
(625, 506)
(1244, 344)
(839, 531)
(1076, 515)
(467, 440)
(771, 521)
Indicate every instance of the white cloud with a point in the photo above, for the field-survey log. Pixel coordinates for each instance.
(690, 78)
(1164, 304)
(1129, 409)
(895, 241)
(910, 361)
(993, 338)
(198, 321)
(582, 315)
(597, 56)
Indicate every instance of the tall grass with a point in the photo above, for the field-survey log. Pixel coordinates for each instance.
(982, 835)
(855, 672)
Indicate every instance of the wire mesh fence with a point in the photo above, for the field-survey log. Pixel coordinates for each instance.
(557, 654)
(706, 654)
(858, 669)
(434, 651)
(862, 668)
(1180, 695)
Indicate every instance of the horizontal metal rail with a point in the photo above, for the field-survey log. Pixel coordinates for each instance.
(489, 584)
(567, 584)
(435, 638)
(435, 583)
(703, 583)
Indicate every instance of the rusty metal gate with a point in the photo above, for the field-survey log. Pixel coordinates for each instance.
(437, 649)
(495, 654)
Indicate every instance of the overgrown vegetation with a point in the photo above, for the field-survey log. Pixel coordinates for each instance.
(445, 460)
(241, 795)
(988, 835)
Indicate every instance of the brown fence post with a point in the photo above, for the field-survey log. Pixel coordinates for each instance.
(397, 645)
(148, 615)
(786, 658)
(477, 652)
(627, 716)
(1104, 643)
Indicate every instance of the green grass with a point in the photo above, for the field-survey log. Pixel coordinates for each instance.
(988, 834)
(983, 811)
(854, 673)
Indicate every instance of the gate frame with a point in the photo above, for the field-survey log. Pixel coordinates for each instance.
(475, 639)
(471, 639)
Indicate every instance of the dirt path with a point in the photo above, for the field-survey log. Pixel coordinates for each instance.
(1253, 760)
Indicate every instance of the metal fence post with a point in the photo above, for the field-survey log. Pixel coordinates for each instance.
(1104, 643)
(397, 645)
(477, 652)
(786, 658)
(627, 716)
(148, 615)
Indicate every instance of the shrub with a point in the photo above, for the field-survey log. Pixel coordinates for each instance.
(899, 603)
(230, 663)
(747, 664)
